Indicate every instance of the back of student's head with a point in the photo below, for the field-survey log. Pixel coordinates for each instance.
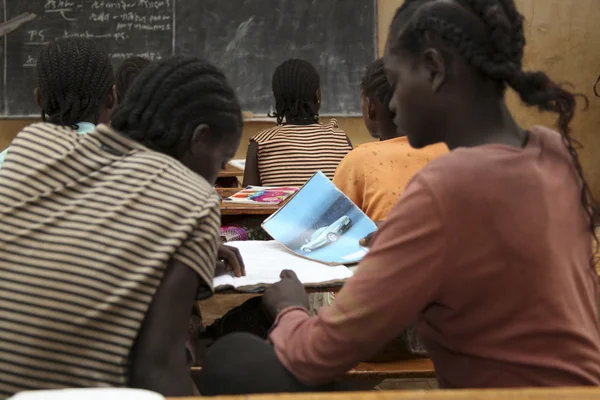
(296, 85)
(75, 81)
(177, 104)
(375, 103)
(375, 85)
(127, 72)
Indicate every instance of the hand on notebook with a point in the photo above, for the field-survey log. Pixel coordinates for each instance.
(366, 241)
(229, 260)
(288, 292)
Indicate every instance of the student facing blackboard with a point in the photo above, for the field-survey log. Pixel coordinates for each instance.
(75, 85)
(299, 146)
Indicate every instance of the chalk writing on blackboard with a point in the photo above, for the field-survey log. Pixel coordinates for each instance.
(247, 39)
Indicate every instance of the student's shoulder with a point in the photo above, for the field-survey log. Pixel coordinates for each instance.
(46, 130)
(364, 152)
(458, 170)
(266, 135)
(199, 192)
(333, 126)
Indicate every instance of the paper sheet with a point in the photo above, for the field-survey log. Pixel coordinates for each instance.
(239, 164)
(265, 260)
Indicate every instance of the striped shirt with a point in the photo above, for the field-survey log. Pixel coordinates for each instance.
(82, 129)
(88, 226)
(288, 155)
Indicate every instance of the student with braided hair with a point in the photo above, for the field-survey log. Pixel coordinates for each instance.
(489, 249)
(375, 174)
(108, 239)
(75, 85)
(127, 72)
(299, 146)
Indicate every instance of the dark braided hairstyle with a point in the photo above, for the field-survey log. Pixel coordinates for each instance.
(295, 86)
(497, 53)
(127, 72)
(375, 83)
(74, 79)
(171, 98)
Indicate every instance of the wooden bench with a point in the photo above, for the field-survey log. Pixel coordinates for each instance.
(481, 394)
(417, 368)
(413, 369)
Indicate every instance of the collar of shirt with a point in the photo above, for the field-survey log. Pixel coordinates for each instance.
(85, 127)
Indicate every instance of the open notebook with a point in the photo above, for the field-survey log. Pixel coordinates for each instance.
(264, 262)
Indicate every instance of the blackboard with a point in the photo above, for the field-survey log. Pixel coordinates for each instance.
(246, 38)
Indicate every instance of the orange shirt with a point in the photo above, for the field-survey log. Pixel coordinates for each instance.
(375, 174)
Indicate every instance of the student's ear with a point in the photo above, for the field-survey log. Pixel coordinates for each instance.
(318, 96)
(199, 136)
(371, 109)
(435, 67)
(112, 99)
(38, 100)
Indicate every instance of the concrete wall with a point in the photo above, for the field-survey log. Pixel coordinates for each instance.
(561, 41)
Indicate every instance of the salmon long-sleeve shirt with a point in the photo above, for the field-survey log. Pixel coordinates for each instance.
(488, 252)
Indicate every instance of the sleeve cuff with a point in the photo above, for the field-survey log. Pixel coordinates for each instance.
(287, 311)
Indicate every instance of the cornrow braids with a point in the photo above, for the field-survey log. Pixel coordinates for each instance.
(127, 72)
(295, 85)
(497, 53)
(375, 83)
(170, 98)
(74, 79)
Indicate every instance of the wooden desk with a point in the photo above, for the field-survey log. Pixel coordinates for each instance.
(230, 171)
(245, 209)
(485, 394)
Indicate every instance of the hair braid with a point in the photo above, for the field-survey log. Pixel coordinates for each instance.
(295, 85)
(498, 54)
(127, 72)
(74, 79)
(375, 83)
(169, 99)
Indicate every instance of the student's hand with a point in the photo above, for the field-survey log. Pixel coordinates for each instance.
(366, 241)
(288, 292)
(229, 260)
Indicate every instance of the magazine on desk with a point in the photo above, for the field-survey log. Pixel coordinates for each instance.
(321, 223)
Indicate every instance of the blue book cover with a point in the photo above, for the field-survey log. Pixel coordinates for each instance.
(321, 223)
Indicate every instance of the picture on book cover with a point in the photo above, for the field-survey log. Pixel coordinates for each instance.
(321, 223)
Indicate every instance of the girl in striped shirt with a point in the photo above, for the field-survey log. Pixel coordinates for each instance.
(299, 146)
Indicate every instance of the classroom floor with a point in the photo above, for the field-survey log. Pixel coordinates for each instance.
(218, 305)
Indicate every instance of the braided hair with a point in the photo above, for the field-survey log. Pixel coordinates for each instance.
(171, 98)
(127, 72)
(74, 79)
(375, 84)
(497, 53)
(295, 85)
